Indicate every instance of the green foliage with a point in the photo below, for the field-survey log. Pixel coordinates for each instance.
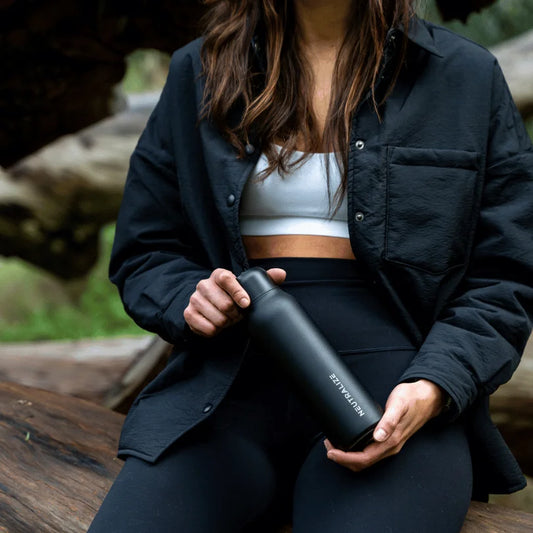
(146, 71)
(503, 20)
(35, 306)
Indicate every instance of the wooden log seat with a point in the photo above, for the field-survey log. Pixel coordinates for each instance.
(57, 461)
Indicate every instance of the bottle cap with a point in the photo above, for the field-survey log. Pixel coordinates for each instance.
(255, 282)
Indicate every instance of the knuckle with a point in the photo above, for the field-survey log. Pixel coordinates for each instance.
(403, 405)
(227, 306)
(388, 425)
(194, 299)
(219, 321)
(210, 330)
(221, 276)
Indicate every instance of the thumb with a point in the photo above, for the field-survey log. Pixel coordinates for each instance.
(277, 275)
(389, 421)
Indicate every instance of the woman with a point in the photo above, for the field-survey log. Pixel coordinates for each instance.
(376, 166)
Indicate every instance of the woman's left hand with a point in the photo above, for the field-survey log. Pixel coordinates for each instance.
(408, 408)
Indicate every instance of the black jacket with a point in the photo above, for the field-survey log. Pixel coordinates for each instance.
(445, 186)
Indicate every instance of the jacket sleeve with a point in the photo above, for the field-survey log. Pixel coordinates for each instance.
(153, 261)
(477, 341)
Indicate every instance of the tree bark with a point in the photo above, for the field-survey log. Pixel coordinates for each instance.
(57, 460)
(61, 61)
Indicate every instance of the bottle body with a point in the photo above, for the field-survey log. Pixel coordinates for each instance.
(320, 377)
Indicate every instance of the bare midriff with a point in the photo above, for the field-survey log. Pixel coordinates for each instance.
(265, 246)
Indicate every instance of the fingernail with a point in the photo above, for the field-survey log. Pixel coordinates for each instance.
(243, 301)
(380, 435)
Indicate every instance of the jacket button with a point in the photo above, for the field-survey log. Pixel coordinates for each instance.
(359, 217)
(249, 149)
(207, 407)
(359, 144)
(230, 200)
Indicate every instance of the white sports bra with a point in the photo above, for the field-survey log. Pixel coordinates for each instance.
(295, 204)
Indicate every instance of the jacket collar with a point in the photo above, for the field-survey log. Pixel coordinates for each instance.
(419, 34)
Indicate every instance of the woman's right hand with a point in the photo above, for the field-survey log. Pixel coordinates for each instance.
(218, 300)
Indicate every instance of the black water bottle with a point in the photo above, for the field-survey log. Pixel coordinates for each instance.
(283, 330)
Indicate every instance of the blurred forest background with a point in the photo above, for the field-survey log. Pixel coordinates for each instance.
(35, 305)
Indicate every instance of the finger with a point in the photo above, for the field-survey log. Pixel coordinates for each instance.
(220, 299)
(227, 281)
(198, 323)
(201, 305)
(358, 461)
(394, 412)
(277, 275)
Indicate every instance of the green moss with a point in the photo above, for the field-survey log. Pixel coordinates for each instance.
(36, 306)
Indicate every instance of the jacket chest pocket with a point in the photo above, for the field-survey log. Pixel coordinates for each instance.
(431, 205)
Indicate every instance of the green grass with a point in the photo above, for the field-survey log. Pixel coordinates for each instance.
(36, 306)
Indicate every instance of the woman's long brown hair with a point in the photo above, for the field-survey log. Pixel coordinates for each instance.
(277, 102)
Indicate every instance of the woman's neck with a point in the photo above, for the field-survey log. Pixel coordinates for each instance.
(322, 24)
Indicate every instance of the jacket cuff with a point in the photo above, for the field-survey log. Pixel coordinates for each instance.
(450, 376)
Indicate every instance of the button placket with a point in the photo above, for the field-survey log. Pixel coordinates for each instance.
(359, 144)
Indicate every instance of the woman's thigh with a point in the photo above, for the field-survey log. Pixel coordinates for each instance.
(218, 486)
(425, 488)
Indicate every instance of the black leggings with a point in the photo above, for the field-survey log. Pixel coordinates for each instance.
(260, 457)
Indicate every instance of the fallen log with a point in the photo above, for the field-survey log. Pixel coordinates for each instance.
(54, 203)
(512, 411)
(57, 462)
(61, 62)
(145, 367)
(86, 368)
(113, 371)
